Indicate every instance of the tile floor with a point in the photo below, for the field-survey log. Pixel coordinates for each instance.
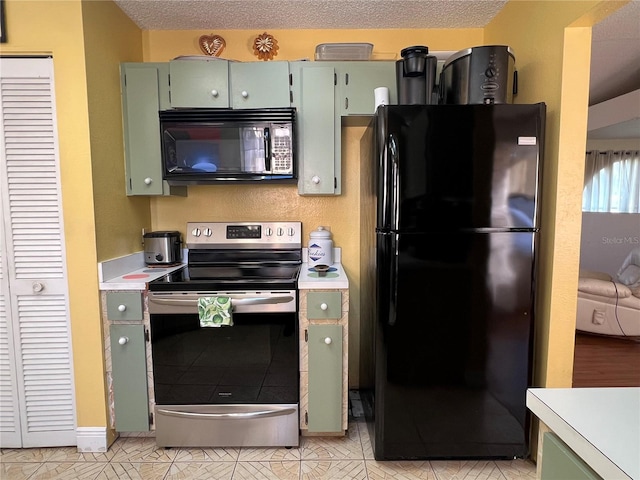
(331, 458)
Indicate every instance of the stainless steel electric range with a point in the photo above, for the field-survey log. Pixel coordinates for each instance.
(230, 385)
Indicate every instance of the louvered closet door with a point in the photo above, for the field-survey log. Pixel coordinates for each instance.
(35, 334)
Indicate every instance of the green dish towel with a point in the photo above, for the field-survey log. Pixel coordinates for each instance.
(215, 311)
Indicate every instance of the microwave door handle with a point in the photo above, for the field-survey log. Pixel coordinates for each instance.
(267, 149)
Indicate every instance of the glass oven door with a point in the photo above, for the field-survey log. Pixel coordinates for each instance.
(254, 361)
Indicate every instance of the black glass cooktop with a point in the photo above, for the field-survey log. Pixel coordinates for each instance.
(228, 278)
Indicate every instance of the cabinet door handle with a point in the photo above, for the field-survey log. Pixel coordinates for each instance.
(123, 340)
(323, 306)
(328, 340)
(148, 181)
(122, 308)
(244, 94)
(315, 179)
(214, 93)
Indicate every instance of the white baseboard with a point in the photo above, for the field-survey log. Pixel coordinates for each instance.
(92, 439)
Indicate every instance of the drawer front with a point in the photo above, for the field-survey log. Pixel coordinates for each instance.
(124, 306)
(322, 305)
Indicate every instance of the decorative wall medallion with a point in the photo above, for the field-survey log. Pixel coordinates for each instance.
(212, 44)
(265, 46)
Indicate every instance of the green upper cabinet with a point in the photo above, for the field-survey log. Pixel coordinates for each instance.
(202, 83)
(259, 84)
(145, 91)
(322, 93)
(217, 83)
(318, 128)
(357, 80)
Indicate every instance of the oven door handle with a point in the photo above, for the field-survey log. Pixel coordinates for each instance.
(237, 415)
(192, 300)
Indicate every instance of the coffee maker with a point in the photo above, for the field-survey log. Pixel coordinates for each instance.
(415, 76)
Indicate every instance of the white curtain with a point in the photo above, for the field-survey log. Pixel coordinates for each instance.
(612, 182)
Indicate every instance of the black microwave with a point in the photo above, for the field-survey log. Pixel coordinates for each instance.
(205, 146)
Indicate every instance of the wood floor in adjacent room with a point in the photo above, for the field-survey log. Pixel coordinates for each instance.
(602, 361)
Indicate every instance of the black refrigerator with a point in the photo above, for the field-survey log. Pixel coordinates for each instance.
(448, 315)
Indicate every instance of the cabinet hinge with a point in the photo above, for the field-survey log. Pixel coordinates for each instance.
(346, 79)
(335, 79)
(146, 335)
(291, 79)
(151, 418)
(306, 335)
(306, 418)
(335, 182)
(290, 96)
(125, 79)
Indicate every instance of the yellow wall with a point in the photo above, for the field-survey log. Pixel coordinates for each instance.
(111, 38)
(88, 40)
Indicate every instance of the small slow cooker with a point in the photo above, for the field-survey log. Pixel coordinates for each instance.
(162, 248)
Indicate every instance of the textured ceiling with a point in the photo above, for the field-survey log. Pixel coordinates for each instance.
(308, 14)
(615, 55)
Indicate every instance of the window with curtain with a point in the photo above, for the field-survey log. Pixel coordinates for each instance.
(612, 182)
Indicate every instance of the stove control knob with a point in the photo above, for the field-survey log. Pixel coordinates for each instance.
(268, 232)
(207, 232)
(291, 232)
(195, 232)
(280, 231)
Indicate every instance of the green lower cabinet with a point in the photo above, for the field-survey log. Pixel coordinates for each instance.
(129, 372)
(325, 378)
(559, 462)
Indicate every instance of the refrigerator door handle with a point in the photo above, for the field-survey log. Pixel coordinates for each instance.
(395, 182)
(393, 310)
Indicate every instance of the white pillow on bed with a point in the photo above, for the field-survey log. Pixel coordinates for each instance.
(603, 287)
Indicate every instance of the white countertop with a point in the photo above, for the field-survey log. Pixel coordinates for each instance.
(601, 425)
(130, 273)
(335, 278)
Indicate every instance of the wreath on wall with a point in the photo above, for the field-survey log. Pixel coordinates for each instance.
(265, 46)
